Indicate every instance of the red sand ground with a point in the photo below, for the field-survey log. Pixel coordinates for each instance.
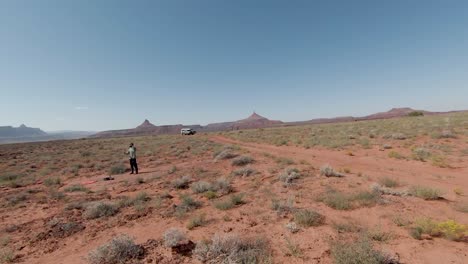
(255, 217)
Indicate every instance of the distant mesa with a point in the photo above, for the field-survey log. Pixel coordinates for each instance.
(21, 131)
(146, 125)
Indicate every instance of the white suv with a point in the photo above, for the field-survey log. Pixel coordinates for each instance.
(187, 131)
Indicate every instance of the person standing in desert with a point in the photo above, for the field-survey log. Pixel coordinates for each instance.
(132, 155)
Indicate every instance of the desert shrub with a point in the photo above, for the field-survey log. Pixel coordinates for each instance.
(293, 249)
(75, 205)
(52, 181)
(230, 203)
(288, 176)
(349, 227)
(210, 195)
(439, 161)
(284, 161)
(100, 209)
(380, 235)
(308, 218)
(233, 249)
(359, 252)
(283, 207)
(181, 183)
(399, 136)
(61, 230)
(242, 161)
(328, 171)
(444, 134)
(173, 237)
(448, 229)
(198, 220)
(389, 182)
(76, 188)
(421, 154)
(15, 199)
(246, 171)
(367, 198)
(395, 155)
(119, 250)
(117, 169)
(388, 191)
(201, 187)
(13, 180)
(337, 200)
(452, 230)
(6, 255)
(222, 186)
(187, 204)
(227, 153)
(425, 192)
(292, 227)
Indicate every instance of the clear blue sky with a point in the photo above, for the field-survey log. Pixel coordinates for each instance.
(97, 65)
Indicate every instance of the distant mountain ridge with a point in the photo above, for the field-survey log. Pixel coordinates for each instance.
(21, 131)
(254, 121)
(9, 134)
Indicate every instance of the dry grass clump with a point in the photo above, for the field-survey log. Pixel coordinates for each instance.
(15, 199)
(399, 136)
(222, 186)
(55, 181)
(288, 176)
(198, 220)
(359, 252)
(181, 183)
(244, 172)
(421, 154)
(336, 200)
(13, 180)
(389, 182)
(283, 207)
(242, 161)
(328, 171)
(226, 153)
(201, 187)
(307, 218)
(117, 169)
(76, 188)
(231, 202)
(187, 204)
(425, 192)
(7, 255)
(395, 155)
(174, 237)
(100, 209)
(233, 249)
(119, 250)
(341, 201)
